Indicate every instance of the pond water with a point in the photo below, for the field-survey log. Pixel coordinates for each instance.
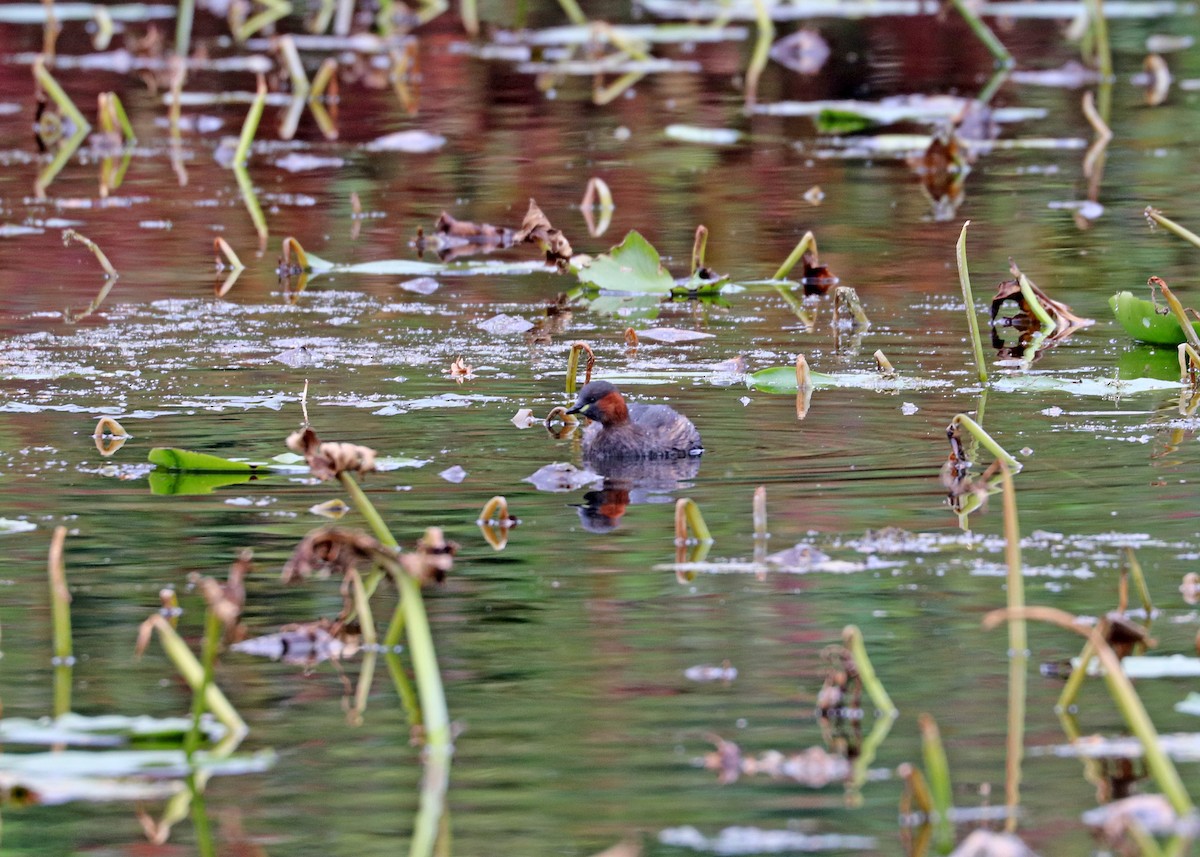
(565, 654)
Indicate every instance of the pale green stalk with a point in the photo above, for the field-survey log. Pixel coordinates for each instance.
(193, 673)
(1172, 227)
(937, 772)
(1017, 652)
(59, 96)
(806, 243)
(1124, 695)
(60, 612)
(183, 27)
(250, 125)
(964, 280)
(762, 51)
(1035, 305)
(852, 639)
(985, 440)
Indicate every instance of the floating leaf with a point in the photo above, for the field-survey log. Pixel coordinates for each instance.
(1145, 321)
(632, 266)
(782, 379)
(9, 526)
(170, 458)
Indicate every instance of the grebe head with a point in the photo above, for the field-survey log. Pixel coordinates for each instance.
(602, 402)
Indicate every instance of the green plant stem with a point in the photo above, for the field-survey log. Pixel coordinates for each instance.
(208, 656)
(762, 51)
(964, 280)
(1139, 580)
(59, 96)
(183, 27)
(1189, 332)
(695, 519)
(852, 639)
(806, 243)
(573, 12)
(984, 33)
(252, 205)
(250, 125)
(204, 839)
(937, 771)
(1172, 227)
(434, 713)
(1070, 691)
(193, 673)
(1035, 305)
(60, 612)
(985, 440)
(1018, 651)
(1100, 31)
(1124, 695)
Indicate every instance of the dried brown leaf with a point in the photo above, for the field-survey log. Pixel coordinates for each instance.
(328, 460)
(432, 559)
(536, 229)
(333, 550)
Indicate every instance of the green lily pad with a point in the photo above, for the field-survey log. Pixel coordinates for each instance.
(632, 266)
(170, 458)
(1145, 322)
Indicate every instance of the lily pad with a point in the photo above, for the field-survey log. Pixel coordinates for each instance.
(1146, 322)
(170, 458)
(632, 266)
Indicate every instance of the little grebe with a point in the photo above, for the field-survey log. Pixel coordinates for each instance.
(623, 431)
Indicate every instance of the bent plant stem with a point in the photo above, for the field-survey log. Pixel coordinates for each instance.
(985, 440)
(1189, 332)
(1171, 226)
(1035, 305)
(688, 516)
(1124, 695)
(60, 611)
(964, 280)
(252, 205)
(193, 673)
(807, 242)
(573, 366)
(59, 96)
(852, 639)
(70, 235)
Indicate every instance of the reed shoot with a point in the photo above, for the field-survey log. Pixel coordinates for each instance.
(852, 639)
(573, 366)
(70, 235)
(60, 613)
(964, 280)
(250, 125)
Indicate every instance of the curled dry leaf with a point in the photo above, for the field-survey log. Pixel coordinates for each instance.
(483, 233)
(536, 229)
(524, 419)
(432, 559)
(332, 550)
(328, 460)
(1025, 319)
(226, 600)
